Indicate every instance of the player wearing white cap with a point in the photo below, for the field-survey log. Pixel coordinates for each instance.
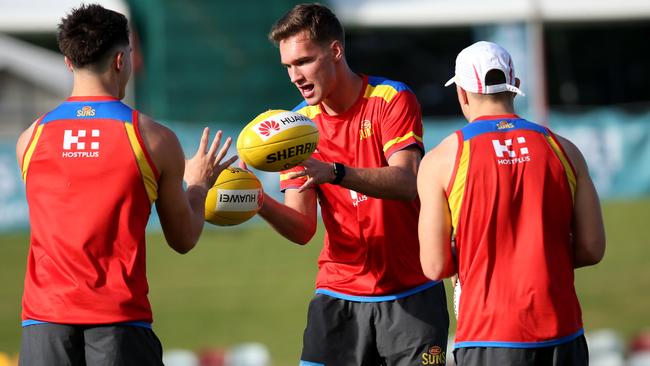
(519, 204)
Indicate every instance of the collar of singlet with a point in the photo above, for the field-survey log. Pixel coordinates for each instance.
(91, 99)
(495, 116)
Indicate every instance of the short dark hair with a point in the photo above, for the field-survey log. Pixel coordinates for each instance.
(90, 32)
(495, 77)
(321, 23)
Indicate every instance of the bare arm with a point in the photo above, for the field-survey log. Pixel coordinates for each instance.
(435, 227)
(395, 181)
(21, 145)
(588, 229)
(296, 218)
(181, 211)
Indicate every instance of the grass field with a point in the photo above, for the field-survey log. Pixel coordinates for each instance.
(249, 284)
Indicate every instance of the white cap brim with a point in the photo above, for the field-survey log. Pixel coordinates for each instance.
(450, 81)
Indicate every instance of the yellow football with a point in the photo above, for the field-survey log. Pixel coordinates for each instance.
(236, 196)
(277, 140)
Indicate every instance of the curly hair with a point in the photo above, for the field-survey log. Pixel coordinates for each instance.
(321, 23)
(90, 32)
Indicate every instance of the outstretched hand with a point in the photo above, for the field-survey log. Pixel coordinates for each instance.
(206, 165)
(316, 171)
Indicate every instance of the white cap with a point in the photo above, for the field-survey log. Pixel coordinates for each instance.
(474, 62)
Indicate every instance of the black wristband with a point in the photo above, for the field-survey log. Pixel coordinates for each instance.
(339, 172)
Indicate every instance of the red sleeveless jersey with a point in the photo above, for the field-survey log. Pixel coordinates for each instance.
(371, 250)
(511, 201)
(90, 184)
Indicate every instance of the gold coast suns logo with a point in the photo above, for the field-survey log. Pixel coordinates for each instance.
(366, 129)
(434, 356)
(504, 124)
(86, 111)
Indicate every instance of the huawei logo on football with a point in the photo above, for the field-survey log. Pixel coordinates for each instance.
(267, 126)
(260, 198)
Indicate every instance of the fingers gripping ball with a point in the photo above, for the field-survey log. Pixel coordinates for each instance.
(277, 140)
(236, 196)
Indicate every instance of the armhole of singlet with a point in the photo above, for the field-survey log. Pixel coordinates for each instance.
(459, 152)
(136, 127)
(30, 147)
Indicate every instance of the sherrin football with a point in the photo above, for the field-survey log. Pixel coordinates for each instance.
(235, 197)
(277, 140)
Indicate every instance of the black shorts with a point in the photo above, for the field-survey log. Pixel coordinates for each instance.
(75, 345)
(573, 353)
(406, 331)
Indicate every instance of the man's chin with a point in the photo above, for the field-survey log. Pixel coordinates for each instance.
(313, 100)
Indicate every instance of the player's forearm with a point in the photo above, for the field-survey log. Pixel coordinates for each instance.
(588, 253)
(288, 222)
(184, 232)
(389, 182)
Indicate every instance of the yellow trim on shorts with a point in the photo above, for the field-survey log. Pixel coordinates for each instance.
(568, 169)
(30, 151)
(455, 198)
(148, 176)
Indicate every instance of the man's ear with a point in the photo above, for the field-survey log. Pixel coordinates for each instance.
(462, 96)
(68, 63)
(337, 50)
(120, 61)
(517, 82)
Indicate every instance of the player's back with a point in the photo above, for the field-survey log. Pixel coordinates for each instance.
(511, 199)
(90, 184)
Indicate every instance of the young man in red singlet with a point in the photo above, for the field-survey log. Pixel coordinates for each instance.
(93, 167)
(373, 305)
(519, 204)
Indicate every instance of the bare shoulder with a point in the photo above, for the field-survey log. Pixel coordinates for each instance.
(154, 131)
(439, 161)
(23, 140)
(161, 142)
(577, 159)
(445, 151)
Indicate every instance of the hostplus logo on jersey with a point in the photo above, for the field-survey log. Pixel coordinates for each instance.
(507, 154)
(76, 144)
(357, 198)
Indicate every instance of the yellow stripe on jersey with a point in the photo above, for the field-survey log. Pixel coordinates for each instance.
(458, 189)
(382, 91)
(397, 140)
(565, 163)
(310, 111)
(148, 176)
(30, 151)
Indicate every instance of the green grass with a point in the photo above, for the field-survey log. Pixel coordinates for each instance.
(251, 285)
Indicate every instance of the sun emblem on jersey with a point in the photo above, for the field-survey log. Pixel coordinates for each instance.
(504, 124)
(267, 126)
(86, 111)
(366, 129)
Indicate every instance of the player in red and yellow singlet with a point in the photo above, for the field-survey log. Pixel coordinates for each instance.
(520, 206)
(93, 167)
(373, 304)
